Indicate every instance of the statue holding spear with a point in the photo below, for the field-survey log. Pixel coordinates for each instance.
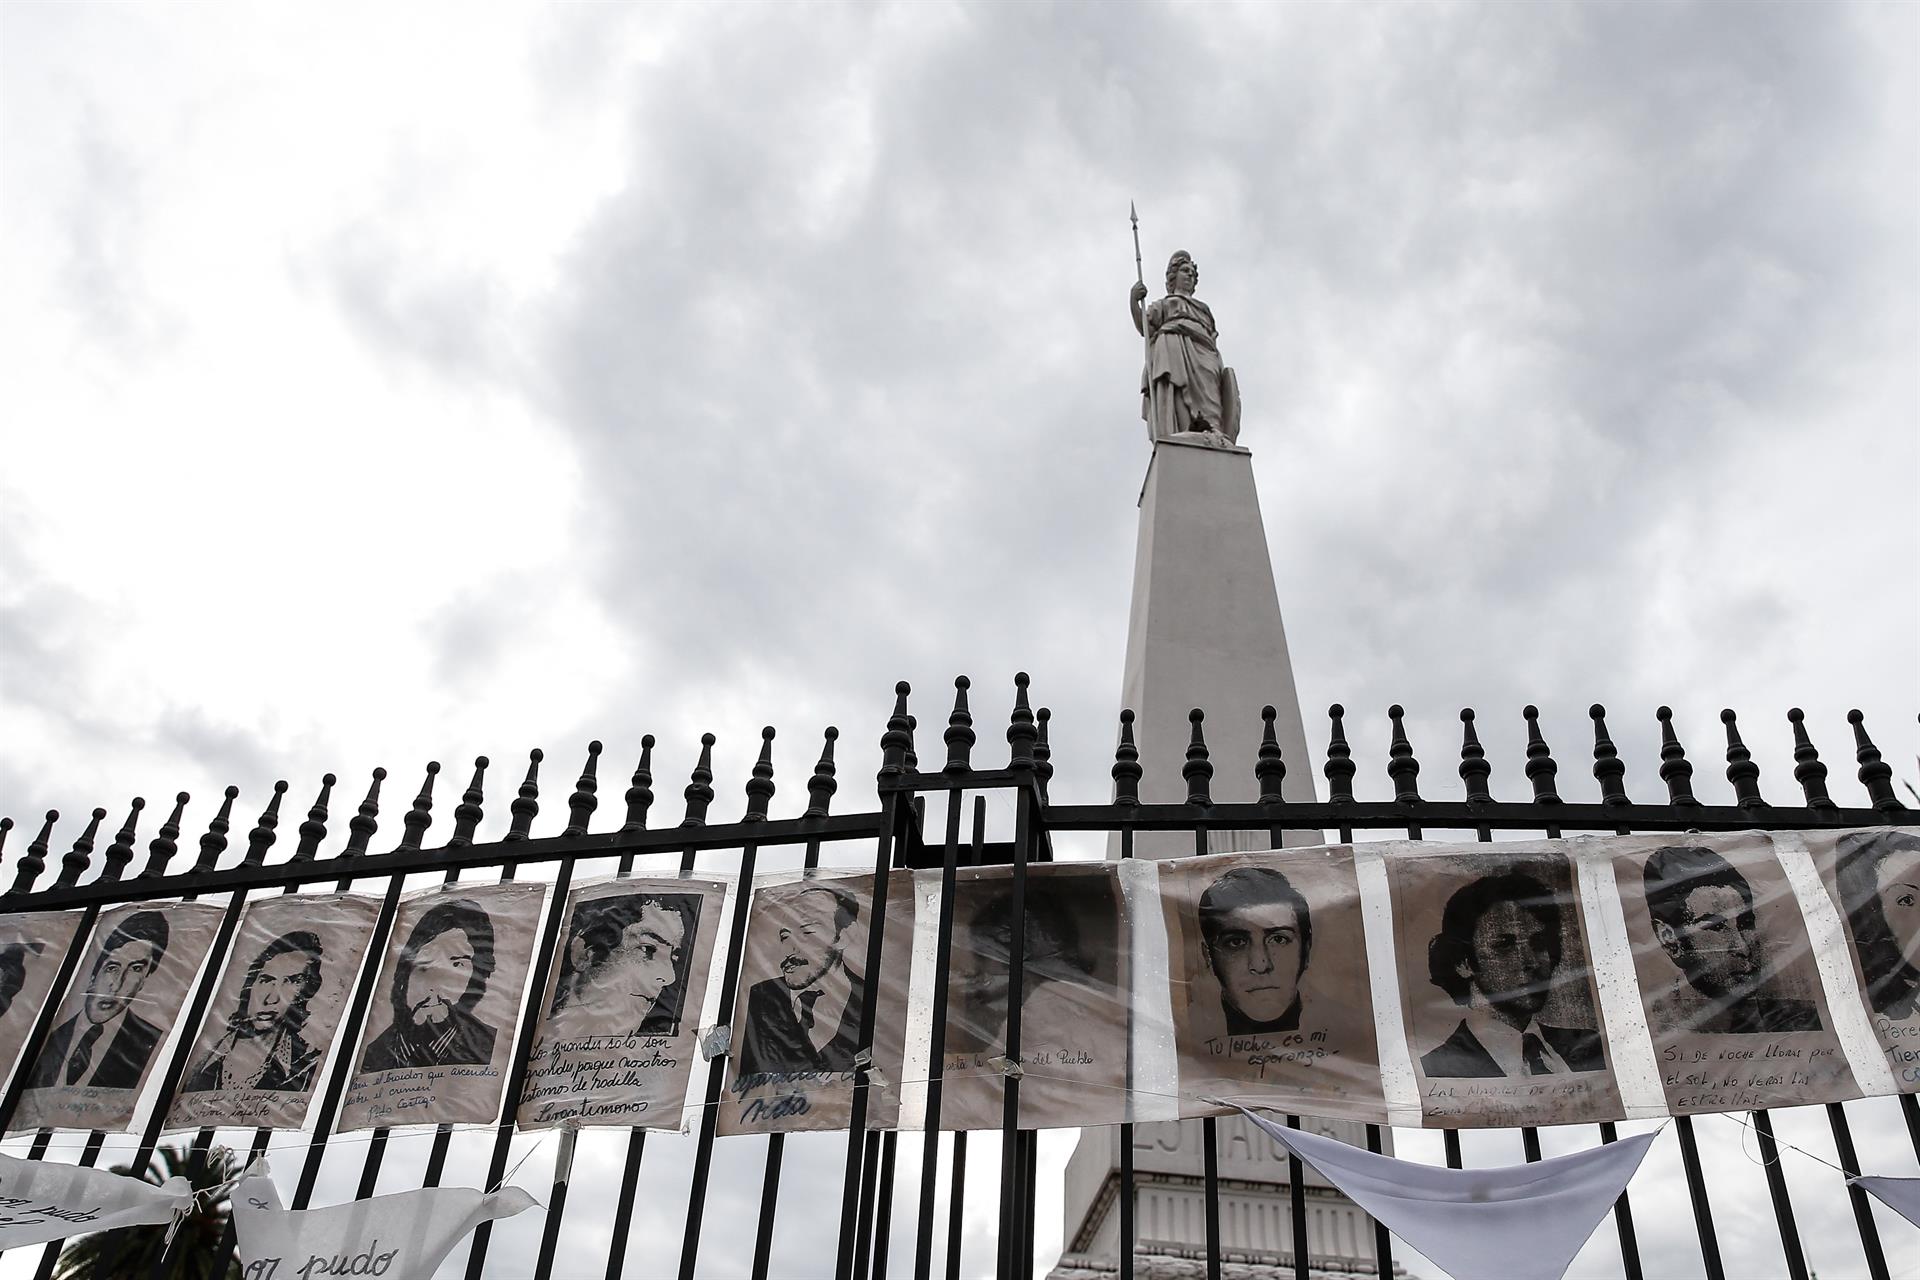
(1185, 391)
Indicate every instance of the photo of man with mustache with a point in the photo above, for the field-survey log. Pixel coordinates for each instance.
(441, 976)
(807, 1018)
(262, 1047)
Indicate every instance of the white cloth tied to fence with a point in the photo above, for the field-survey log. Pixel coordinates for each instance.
(1522, 1222)
(1902, 1195)
(398, 1237)
(41, 1201)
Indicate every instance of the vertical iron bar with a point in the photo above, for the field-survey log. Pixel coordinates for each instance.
(769, 1195)
(1777, 1189)
(1862, 1210)
(1697, 1191)
(1016, 982)
(883, 1206)
(1623, 1217)
(1910, 1112)
(956, 1204)
(1209, 1145)
(869, 1168)
(1126, 1194)
(942, 958)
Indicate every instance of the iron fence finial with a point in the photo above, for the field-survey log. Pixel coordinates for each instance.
(468, 814)
(120, 852)
(75, 861)
(1474, 769)
(1401, 765)
(821, 786)
(266, 829)
(419, 817)
(760, 782)
(639, 795)
(959, 735)
(1126, 763)
(1339, 767)
(1020, 728)
(1742, 772)
(164, 845)
(1198, 770)
(1540, 765)
(1270, 769)
(525, 806)
(585, 798)
(1608, 768)
(365, 820)
(1808, 770)
(314, 829)
(898, 739)
(699, 792)
(1875, 774)
(35, 860)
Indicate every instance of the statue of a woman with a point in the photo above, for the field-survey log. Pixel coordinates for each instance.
(1184, 389)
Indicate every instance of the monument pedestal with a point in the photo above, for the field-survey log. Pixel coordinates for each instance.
(1205, 632)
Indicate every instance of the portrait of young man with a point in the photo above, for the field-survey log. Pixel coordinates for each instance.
(807, 1016)
(1703, 916)
(1258, 934)
(623, 967)
(1497, 956)
(262, 1046)
(441, 975)
(106, 1044)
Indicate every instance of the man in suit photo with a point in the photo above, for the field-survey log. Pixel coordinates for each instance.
(1703, 916)
(106, 1045)
(441, 976)
(1496, 955)
(807, 1017)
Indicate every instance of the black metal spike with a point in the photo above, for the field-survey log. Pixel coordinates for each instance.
(960, 736)
(897, 739)
(163, 846)
(1675, 770)
(1126, 763)
(912, 760)
(6, 825)
(75, 861)
(699, 792)
(366, 820)
(1742, 772)
(1401, 766)
(266, 830)
(1540, 766)
(1043, 751)
(35, 860)
(1808, 770)
(1270, 770)
(1608, 767)
(584, 800)
(1474, 769)
(468, 814)
(1020, 728)
(526, 803)
(1339, 767)
(821, 786)
(640, 792)
(760, 782)
(314, 829)
(120, 852)
(213, 842)
(1198, 770)
(1875, 774)
(414, 825)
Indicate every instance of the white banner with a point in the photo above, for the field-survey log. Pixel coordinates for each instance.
(1902, 1195)
(399, 1237)
(41, 1202)
(1522, 1222)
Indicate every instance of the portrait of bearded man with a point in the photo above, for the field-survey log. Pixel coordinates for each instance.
(441, 976)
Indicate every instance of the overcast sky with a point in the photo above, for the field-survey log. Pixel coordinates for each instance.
(407, 382)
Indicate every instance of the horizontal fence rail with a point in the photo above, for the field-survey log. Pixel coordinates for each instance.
(895, 833)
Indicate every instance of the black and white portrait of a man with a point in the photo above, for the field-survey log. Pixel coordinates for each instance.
(807, 1016)
(1497, 955)
(263, 1046)
(1258, 933)
(441, 975)
(1703, 916)
(107, 1045)
(623, 968)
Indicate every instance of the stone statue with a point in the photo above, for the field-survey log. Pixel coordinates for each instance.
(1184, 389)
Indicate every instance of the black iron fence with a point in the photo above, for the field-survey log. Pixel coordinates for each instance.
(912, 796)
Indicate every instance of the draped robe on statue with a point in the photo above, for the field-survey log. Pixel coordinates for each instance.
(1183, 369)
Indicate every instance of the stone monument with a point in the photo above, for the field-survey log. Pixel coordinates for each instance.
(1204, 631)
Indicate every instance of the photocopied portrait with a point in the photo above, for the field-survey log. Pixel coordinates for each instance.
(276, 1012)
(1873, 879)
(1271, 1000)
(132, 983)
(1727, 975)
(446, 1006)
(32, 945)
(1502, 1011)
(802, 990)
(618, 1037)
(1073, 996)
